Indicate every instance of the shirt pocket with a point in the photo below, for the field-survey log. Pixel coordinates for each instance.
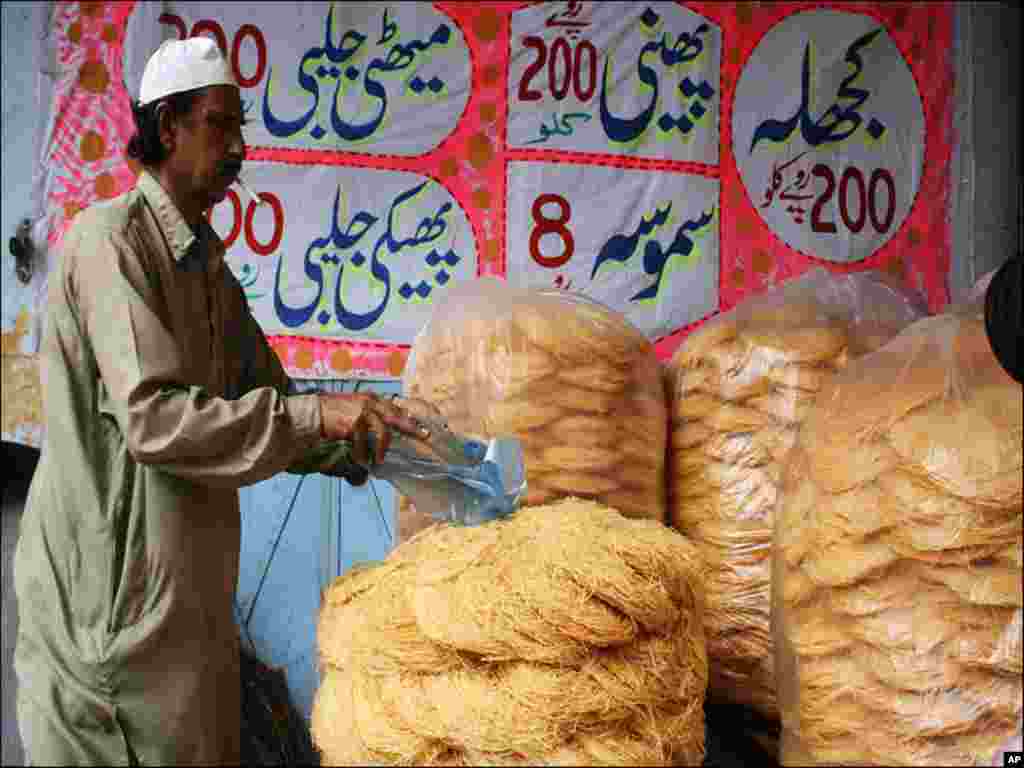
(126, 545)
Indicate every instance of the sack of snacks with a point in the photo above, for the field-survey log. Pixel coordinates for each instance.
(897, 599)
(740, 386)
(578, 384)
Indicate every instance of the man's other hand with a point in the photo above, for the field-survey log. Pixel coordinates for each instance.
(353, 416)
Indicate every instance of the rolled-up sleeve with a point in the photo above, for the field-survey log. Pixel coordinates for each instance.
(180, 428)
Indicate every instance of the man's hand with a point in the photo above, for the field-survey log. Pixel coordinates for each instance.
(420, 409)
(354, 416)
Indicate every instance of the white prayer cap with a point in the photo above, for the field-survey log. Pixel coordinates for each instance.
(181, 65)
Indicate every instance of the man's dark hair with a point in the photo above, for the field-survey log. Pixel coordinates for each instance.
(145, 146)
(1004, 318)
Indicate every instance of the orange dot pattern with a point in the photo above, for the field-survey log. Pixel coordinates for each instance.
(93, 147)
(341, 360)
(482, 199)
(487, 24)
(94, 76)
(895, 267)
(763, 261)
(491, 74)
(92, 8)
(480, 151)
(489, 112)
(449, 166)
(746, 226)
(396, 363)
(105, 186)
(744, 13)
(492, 251)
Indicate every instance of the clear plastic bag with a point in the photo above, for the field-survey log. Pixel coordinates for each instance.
(897, 577)
(573, 380)
(453, 479)
(739, 389)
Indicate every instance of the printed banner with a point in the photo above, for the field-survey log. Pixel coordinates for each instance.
(381, 78)
(832, 152)
(666, 158)
(320, 253)
(655, 258)
(627, 79)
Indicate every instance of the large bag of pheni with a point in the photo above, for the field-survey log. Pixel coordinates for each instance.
(739, 388)
(575, 381)
(897, 593)
(565, 634)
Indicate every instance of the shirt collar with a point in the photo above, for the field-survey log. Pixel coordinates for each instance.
(183, 241)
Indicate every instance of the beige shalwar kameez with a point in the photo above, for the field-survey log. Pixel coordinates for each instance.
(162, 399)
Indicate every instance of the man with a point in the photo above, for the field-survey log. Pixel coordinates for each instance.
(162, 398)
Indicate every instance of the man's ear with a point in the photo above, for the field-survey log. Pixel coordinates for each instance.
(167, 127)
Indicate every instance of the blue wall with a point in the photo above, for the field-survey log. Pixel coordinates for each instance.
(298, 534)
(22, 26)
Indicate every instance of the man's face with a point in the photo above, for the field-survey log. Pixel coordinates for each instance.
(208, 147)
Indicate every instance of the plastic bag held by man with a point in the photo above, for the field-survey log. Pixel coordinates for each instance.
(573, 380)
(897, 583)
(739, 389)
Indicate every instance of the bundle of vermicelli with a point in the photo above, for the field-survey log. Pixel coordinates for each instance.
(897, 583)
(575, 381)
(564, 635)
(739, 389)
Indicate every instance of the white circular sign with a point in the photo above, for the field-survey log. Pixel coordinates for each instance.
(829, 134)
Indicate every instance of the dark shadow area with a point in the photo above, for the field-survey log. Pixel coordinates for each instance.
(738, 737)
(274, 732)
(19, 463)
